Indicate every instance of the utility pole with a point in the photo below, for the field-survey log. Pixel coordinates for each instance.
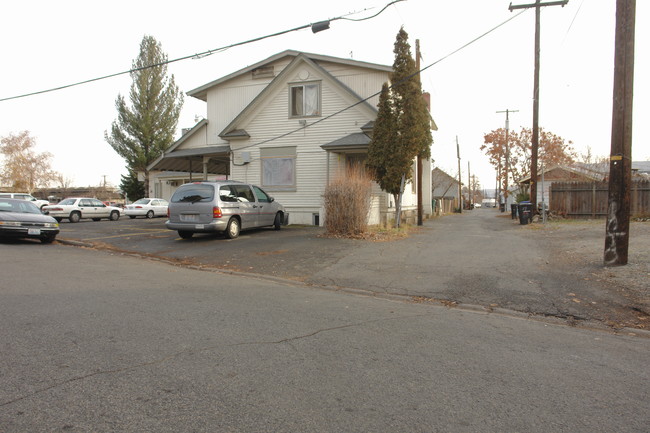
(469, 188)
(620, 165)
(505, 188)
(535, 139)
(460, 184)
(419, 159)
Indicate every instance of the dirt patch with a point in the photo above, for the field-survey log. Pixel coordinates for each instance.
(620, 295)
(377, 234)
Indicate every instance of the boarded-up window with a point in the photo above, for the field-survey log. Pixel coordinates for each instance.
(278, 167)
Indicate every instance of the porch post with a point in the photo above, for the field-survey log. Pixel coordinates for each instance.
(206, 159)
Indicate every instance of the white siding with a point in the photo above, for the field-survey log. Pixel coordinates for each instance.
(228, 99)
(269, 118)
(311, 160)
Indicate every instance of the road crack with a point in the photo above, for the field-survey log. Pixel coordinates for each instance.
(194, 351)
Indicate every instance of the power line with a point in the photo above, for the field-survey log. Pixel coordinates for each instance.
(316, 27)
(322, 119)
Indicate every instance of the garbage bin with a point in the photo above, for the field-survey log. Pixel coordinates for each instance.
(513, 209)
(502, 207)
(525, 210)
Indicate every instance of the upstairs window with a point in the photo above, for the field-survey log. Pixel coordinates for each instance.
(304, 100)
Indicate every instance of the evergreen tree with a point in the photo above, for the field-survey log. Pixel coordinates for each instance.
(413, 119)
(132, 188)
(145, 129)
(402, 129)
(383, 161)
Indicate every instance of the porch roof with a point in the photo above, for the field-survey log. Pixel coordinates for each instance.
(349, 143)
(191, 160)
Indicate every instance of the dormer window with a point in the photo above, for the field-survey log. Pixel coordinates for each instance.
(304, 100)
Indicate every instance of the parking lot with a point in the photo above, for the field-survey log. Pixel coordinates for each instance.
(292, 252)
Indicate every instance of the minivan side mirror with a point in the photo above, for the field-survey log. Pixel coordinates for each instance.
(271, 199)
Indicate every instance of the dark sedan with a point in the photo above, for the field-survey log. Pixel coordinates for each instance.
(22, 219)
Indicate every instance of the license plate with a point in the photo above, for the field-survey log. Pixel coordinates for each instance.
(189, 218)
(199, 226)
(33, 231)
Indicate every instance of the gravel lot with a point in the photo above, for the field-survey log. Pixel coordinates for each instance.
(579, 248)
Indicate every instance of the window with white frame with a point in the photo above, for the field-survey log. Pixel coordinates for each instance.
(304, 100)
(278, 168)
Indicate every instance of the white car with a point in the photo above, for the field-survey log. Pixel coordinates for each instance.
(147, 207)
(24, 196)
(76, 208)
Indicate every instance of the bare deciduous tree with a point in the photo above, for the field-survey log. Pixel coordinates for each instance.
(24, 169)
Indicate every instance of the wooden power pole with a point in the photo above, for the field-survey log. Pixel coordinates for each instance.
(535, 139)
(620, 166)
(505, 183)
(460, 183)
(469, 188)
(419, 158)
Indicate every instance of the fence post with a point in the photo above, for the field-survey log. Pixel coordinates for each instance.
(593, 200)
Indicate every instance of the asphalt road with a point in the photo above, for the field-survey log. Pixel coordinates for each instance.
(480, 259)
(96, 341)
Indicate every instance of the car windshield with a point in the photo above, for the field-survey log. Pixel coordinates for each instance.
(68, 201)
(21, 207)
(193, 193)
(142, 201)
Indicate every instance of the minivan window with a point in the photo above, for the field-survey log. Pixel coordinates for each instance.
(226, 194)
(261, 195)
(244, 193)
(194, 193)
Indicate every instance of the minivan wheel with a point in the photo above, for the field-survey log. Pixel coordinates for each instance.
(184, 234)
(277, 223)
(232, 230)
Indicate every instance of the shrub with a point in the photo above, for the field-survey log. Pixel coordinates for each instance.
(347, 202)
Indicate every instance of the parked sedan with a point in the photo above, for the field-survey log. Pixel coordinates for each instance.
(147, 207)
(22, 219)
(76, 208)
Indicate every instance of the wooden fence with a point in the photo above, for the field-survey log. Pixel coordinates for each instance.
(444, 206)
(589, 199)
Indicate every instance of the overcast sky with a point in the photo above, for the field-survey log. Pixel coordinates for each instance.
(47, 44)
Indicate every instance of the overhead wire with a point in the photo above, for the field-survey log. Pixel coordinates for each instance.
(191, 56)
(390, 87)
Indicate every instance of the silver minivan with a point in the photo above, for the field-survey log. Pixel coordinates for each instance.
(225, 206)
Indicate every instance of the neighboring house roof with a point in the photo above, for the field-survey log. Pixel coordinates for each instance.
(594, 171)
(579, 171)
(443, 184)
(641, 166)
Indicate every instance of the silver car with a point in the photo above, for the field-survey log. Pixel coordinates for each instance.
(223, 206)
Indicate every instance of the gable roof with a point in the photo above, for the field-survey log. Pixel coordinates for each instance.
(590, 173)
(443, 184)
(201, 92)
(280, 79)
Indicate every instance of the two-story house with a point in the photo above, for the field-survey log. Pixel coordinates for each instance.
(289, 124)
